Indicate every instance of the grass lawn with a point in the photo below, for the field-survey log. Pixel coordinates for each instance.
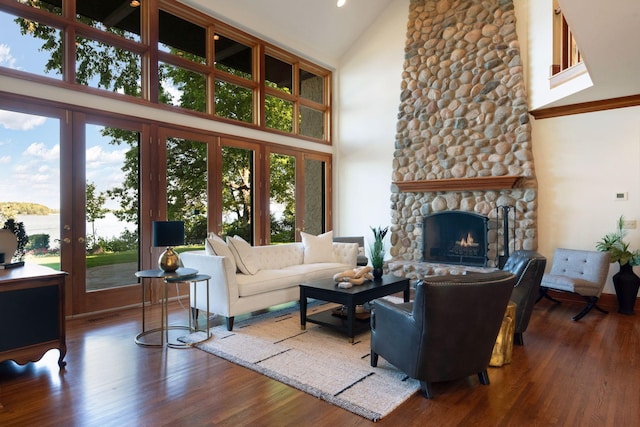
(98, 260)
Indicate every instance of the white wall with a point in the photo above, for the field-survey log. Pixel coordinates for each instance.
(367, 101)
(581, 161)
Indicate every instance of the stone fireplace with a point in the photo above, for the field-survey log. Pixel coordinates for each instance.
(463, 140)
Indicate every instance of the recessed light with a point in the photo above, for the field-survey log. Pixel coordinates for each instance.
(341, 3)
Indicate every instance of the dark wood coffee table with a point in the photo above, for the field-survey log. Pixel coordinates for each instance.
(328, 290)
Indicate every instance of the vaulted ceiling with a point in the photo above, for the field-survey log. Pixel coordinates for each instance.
(608, 33)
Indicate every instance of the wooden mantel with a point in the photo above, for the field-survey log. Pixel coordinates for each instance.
(459, 184)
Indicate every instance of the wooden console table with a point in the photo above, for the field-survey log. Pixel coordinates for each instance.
(32, 317)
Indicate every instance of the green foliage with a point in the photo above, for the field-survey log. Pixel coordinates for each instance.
(17, 228)
(376, 249)
(38, 242)
(118, 70)
(12, 209)
(128, 241)
(616, 246)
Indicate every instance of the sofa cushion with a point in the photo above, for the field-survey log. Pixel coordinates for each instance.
(318, 248)
(214, 245)
(265, 281)
(242, 251)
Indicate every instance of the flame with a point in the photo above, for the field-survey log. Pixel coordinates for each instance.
(468, 241)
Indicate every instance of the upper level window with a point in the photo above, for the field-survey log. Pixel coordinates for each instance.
(233, 57)
(565, 49)
(118, 17)
(202, 65)
(182, 38)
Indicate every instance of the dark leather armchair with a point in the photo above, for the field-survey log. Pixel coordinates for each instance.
(528, 267)
(447, 332)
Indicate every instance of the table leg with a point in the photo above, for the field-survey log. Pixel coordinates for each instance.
(407, 294)
(351, 319)
(303, 310)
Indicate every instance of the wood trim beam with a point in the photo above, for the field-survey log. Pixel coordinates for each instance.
(459, 184)
(587, 107)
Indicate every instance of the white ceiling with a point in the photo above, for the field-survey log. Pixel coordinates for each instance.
(607, 33)
(314, 29)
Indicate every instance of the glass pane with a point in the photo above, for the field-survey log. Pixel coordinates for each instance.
(233, 57)
(278, 113)
(117, 17)
(311, 122)
(182, 38)
(279, 74)
(53, 6)
(233, 101)
(107, 67)
(182, 88)
(30, 192)
(314, 196)
(311, 86)
(187, 187)
(282, 198)
(112, 160)
(30, 46)
(237, 192)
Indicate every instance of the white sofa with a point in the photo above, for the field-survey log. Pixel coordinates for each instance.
(280, 269)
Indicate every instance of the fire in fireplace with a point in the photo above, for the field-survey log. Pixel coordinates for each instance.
(455, 237)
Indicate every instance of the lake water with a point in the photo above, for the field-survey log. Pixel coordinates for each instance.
(108, 227)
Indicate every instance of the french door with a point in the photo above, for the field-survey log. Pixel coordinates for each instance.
(104, 222)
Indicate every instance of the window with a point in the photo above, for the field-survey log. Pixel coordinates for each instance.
(565, 49)
(191, 61)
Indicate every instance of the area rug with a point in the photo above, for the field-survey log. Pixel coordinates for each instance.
(318, 361)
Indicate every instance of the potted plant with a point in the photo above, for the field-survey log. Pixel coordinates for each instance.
(625, 281)
(376, 250)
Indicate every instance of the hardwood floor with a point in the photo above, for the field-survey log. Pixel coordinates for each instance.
(568, 373)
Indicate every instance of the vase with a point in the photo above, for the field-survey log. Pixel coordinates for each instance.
(377, 273)
(626, 283)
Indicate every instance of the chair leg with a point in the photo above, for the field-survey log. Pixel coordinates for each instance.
(591, 303)
(484, 377)
(427, 392)
(518, 339)
(544, 294)
(374, 359)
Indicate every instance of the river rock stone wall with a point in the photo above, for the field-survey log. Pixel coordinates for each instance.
(463, 114)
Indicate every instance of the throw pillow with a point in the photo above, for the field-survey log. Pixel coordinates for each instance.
(318, 248)
(243, 253)
(214, 245)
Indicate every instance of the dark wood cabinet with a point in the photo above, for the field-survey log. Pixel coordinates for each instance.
(32, 316)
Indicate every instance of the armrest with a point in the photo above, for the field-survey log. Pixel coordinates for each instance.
(223, 286)
(388, 318)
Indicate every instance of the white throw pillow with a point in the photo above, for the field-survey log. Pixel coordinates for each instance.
(243, 253)
(318, 248)
(214, 245)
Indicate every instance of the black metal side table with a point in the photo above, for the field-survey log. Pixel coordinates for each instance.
(189, 275)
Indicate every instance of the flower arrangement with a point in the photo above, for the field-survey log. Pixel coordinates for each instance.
(376, 249)
(618, 249)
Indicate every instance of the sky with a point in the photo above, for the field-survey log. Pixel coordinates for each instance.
(30, 145)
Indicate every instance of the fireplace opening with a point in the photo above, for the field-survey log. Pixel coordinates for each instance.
(455, 238)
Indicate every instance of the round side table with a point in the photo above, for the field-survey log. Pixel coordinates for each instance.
(180, 275)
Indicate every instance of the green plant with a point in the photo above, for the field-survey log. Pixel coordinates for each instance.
(17, 228)
(376, 249)
(618, 249)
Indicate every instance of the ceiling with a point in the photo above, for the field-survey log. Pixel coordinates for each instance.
(608, 33)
